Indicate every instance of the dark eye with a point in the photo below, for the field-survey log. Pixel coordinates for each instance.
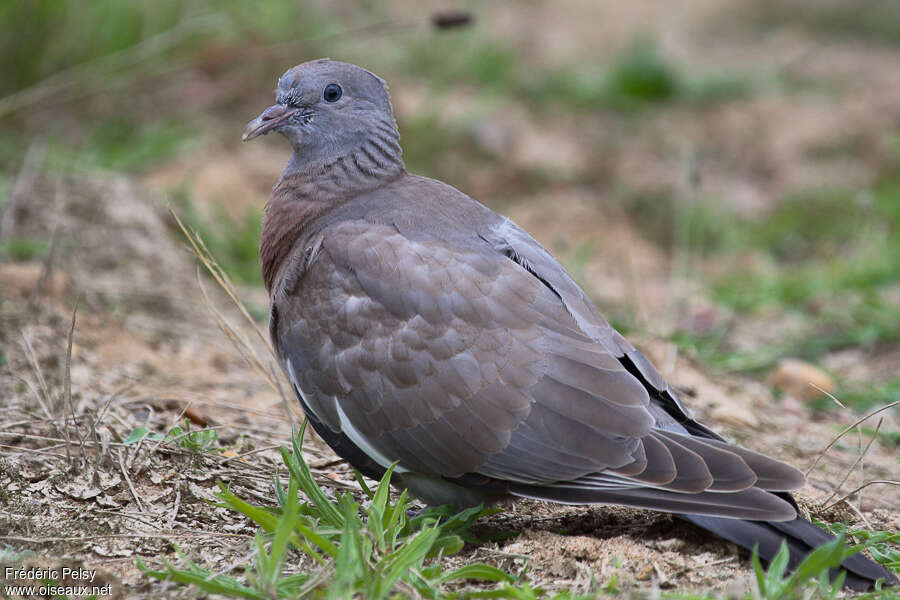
(333, 92)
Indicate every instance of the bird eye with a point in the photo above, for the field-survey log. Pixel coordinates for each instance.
(333, 92)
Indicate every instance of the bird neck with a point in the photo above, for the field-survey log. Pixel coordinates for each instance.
(353, 161)
(307, 191)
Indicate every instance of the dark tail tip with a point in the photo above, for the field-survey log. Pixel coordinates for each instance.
(801, 538)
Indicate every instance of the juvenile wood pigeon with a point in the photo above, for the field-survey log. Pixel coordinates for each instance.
(417, 325)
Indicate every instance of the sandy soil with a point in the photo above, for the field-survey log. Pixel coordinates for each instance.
(147, 347)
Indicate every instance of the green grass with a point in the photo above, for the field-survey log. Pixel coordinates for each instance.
(44, 37)
(123, 144)
(828, 258)
(863, 20)
(11, 556)
(374, 553)
(776, 584)
(234, 243)
(883, 545)
(437, 150)
(198, 440)
(867, 394)
(383, 551)
(90, 79)
(638, 76)
(23, 248)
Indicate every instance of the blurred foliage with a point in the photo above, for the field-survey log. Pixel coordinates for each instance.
(865, 395)
(234, 242)
(637, 76)
(821, 243)
(98, 71)
(41, 38)
(831, 258)
(123, 143)
(436, 149)
(106, 63)
(22, 249)
(862, 19)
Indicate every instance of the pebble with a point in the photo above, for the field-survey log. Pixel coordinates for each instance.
(800, 379)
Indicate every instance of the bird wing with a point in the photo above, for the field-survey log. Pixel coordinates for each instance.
(486, 358)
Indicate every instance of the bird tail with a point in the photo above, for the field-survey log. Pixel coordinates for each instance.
(801, 538)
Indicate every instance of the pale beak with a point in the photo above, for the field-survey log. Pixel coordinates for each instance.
(270, 118)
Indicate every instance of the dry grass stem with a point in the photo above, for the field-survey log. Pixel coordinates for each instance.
(134, 494)
(74, 83)
(243, 346)
(206, 258)
(67, 383)
(858, 461)
(846, 430)
(862, 487)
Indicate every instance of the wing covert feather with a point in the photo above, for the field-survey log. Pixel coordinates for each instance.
(460, 350)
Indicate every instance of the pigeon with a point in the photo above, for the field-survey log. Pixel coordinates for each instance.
(423, 330)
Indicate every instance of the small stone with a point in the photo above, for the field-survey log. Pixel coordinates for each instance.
(802, 380)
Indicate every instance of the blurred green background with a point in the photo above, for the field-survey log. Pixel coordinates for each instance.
(725, 176)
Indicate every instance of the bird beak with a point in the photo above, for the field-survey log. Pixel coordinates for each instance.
(270, 118)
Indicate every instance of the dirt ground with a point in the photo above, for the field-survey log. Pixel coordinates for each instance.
(148, 348)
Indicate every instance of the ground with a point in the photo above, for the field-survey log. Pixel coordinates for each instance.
(113, 330)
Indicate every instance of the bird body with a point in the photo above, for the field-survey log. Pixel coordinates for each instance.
(420, 327)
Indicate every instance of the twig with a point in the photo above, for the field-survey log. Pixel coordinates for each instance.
(205, 256)
(175, 506)
(859, 459)
(255, 451)
(827, 393)
(43, 396)
(863, 486)
(68, 385)
(100, 536)
(846, 429)
(243, 346)
(99, 417)
(721, 561)
(859, 513)
(247, 351)
(22, 450)
(118, 513)
(46, 270)
(134, 493)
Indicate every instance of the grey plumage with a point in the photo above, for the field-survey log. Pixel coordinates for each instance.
(419, 326)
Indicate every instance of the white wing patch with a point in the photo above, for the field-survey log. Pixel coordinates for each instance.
(348, 429)
(362, 443)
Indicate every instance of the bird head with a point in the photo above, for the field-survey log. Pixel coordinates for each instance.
(325, 109)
